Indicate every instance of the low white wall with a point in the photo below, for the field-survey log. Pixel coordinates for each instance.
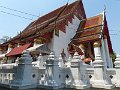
(7, 73)
(35, 75)
(65, 75)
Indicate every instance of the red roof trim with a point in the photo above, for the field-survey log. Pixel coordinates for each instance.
(18, 50)
(106, 32)
(76, 8)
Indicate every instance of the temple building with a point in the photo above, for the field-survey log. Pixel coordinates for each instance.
(62, 49)
(65, 31)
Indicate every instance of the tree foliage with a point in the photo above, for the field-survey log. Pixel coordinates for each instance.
(113, 56)
(4, 39)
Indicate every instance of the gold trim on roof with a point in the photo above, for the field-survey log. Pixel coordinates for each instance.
(10, 46)
(82, 46)
(97, 44)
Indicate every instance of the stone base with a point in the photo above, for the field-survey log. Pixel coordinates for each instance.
(20, 82)
(80, 86)
(103, 86)
(18, 87)
(117, 84)
(51, 87)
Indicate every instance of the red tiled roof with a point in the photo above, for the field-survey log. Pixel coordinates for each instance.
(90, 29)
(44, 20)
(18, 50)
(91, 22)
(50, 16)
(88, 32)
(75, 8)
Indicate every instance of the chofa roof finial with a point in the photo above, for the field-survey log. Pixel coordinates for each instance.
(104, 8)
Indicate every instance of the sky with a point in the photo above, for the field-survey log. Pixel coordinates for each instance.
(10, 25)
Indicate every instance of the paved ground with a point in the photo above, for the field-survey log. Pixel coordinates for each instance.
(62, 89)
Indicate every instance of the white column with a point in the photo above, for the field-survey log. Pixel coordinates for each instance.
(37, 42)
(97, 50)
(82, 47)
(40, 62)
(18, 45)
(109, 60)
(101, 79)
(9, 48)
(52, 72)
(103, 53)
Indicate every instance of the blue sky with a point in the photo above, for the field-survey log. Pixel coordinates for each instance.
(11, 25)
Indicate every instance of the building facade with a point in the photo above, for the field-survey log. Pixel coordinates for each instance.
(66, 49)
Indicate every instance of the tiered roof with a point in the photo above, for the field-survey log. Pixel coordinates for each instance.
(92, 29)
(89, 29)
(45, 25)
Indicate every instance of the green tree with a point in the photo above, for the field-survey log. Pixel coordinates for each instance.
(4, 39)
(113, 56)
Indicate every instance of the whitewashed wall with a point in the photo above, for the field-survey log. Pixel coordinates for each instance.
(61, 42)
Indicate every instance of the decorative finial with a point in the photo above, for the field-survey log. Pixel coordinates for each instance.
(68, 1)
(104, 8)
